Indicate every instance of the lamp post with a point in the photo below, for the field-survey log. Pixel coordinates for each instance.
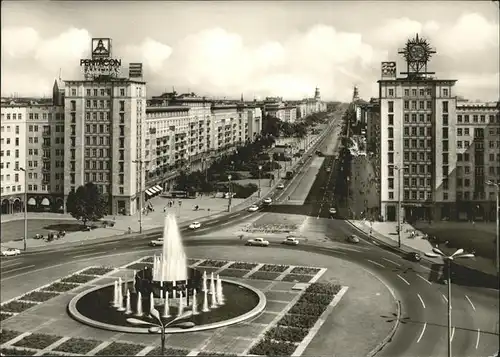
(260, 169)
(25, 206)
(398, 170)
(436, 253)
(140, 162)
(497, 212)
(229, 177)
(271, 168)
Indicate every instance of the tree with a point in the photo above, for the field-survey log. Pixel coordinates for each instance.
(87, 203)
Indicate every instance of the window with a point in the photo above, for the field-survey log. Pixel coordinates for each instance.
(391, 92)
(414, 92)
(122, 105)
(390, 105)
(391, 195)
(445, 92)
(445, 106)
(391, 183)
(406, 104)
(445, 159)
(391, 119)
(407, 92)
(445, 119)
(122, 92)
(459, 132)
(414, 104)
(407, 118)
(391, 145)
(421, 104)
(390, 132)
(390, 157)
(445, 133)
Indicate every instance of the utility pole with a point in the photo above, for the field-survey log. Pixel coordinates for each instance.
(140, 162)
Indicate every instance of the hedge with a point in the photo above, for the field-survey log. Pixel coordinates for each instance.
(273, 268)
(168, 352)
(120, 349)
(305, 270)
(77, 345)
(17, 306)
(37, 340)
(97, 271)
(267, 347)
(243, 265)
(289, 334)
(304, 308)
(16, 352)
(323, 288)
(213, 263)
(39, 296)
(298, 278)
(8, 335)
(301, 321)
(61, 287)
(77, 278)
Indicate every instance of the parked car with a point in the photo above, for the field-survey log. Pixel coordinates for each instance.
(10, 252)
(332, 211)
(156, 242)
(280, 186)
(268, 201)
(290, 241)
(328, 169)
(253, 208)
(195, 225)
(352, 239)
(413, 256)
(259, 242)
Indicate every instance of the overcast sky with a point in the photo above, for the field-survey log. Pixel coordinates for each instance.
(251, 47)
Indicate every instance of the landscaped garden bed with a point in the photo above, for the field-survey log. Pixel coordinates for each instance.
(37, 340)
(213, 263)
(297, 278)
(147, 260)
(61, 287)
(304, 308)
(273, 268)
(17, 306)
(208, 353)
(52, 354)
(4, 316)
(268, 347)
(77, 345)
(97, 271)
(323, 288)
(120, 349)
(287, 334)
(8, 335)
(301, 321)
(305, 270)
(193, 261)
(264, 275)
(39, 296)
(243, 266)
(139, 266)
(79, 279)
(16, 352)
(233, 273)
(315, 299)
(168, 352)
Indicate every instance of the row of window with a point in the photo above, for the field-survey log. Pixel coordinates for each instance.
(100, 104)
(7, 153)
(35, 116)
(7, 141)
(421, 92)
(477, 118)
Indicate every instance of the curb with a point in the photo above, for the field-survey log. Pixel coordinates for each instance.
(389, 337)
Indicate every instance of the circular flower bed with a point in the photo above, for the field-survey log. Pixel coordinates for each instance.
(233, 273)
(297, 278)
(77, 278)
(305, 270)
(37, 340)
(38, 296)
(16, 352)
(264, 275)
(77, 345)
(8, 335)
(243, 266)
(97, 271)
(273, 268)
(17, 306)
(168, 352)
(268, 347)
(213, 263)
(120, 349)
(61, 287)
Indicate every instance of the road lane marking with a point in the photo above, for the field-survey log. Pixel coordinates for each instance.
(225, 224)
(470, 302)
(452, 333)
(88, 254)
(421, 300)
(391, 261)
(81, 251)
(406, 281)
(215, 221)
(477, 339)
(422, 333)
(424, 279)
(380, 265)
(7, 265)
(21, 268)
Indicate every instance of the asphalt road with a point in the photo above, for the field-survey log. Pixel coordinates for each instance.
(422, 331)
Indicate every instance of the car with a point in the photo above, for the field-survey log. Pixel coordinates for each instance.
(10, 252)
(332, 211)
(268, 201)
(328, 169)
(195, 225)
(280, 186)
(413, 256)
(352, 239)
(156, 242)
(253, 208)
(259, 242)
(290, 241)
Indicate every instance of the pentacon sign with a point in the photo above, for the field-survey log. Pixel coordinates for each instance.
(101, 63)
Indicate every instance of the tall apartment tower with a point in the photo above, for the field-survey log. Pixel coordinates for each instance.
(105, 139)
(417, 139)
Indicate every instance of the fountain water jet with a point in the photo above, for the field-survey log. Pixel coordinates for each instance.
(151, 302)
(120, 295)
(115, 295)
(128, 309)
(195, 303)
(220, 295)
(205, 301)
(166, 307)
(139, 304)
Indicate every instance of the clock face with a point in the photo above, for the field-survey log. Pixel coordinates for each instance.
(417, 52)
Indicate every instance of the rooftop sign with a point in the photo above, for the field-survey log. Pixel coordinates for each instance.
(101, 64)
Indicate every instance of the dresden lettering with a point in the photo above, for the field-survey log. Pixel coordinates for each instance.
(101, 62)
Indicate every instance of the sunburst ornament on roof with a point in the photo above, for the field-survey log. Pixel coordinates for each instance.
(417, 53)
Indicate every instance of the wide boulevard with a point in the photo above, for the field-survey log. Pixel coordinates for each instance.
(422, 329)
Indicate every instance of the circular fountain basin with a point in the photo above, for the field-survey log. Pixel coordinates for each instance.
(93, 307)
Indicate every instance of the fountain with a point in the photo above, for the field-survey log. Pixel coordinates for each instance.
(128, 309)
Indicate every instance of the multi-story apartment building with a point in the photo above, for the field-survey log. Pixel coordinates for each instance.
(290, 113)
(105, 139)
(478, 159)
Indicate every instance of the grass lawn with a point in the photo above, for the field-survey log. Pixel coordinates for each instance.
(15, 229)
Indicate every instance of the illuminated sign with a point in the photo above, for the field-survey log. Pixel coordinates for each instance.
(388, 69)
(101, 63)
(135, 70)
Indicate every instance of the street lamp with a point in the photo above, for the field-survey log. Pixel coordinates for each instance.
(398, 170)
(271, 168)
(436, 253)
(229, 177)
(260, 169)
(497, 212)
(25, 206)
(140, 162)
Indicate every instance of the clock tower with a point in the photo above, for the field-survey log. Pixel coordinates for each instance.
(417, 53)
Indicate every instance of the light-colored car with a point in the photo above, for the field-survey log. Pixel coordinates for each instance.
(280, 186)
(260, 242)
(332, 211)
(195, 225)
(328, 169)
(290, 241)
(156, 242)
(352, 239)
(10, 252)
(268, 201)
(253, 208)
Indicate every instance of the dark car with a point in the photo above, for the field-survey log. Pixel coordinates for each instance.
(413, 256)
